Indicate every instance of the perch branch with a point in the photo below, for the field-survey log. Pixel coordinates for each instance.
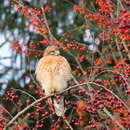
(43, 98)
(35, 102)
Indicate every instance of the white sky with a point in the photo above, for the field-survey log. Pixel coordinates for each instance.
(4, 51)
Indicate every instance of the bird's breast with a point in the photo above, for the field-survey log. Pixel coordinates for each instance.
(53, 72)
(53, 84)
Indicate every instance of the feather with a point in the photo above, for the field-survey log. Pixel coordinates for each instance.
(59, 105)
(53, 72)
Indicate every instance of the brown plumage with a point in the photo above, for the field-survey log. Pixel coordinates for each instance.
(53, 72)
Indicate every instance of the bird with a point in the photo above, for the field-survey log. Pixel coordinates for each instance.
(53, 72)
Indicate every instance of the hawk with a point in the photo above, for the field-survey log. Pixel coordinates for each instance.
(53, 73)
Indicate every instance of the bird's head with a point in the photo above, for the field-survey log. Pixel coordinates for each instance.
(52, 50)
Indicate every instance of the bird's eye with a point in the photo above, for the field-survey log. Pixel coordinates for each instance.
(52, 52)
(56, 52)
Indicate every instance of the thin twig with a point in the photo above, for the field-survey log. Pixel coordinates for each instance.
(81, 68)
(112, 117)
(1, 107)
(112, 94)
(68, 124)
(25, 93)
(35, 102)
(43, 98)
(51, 37)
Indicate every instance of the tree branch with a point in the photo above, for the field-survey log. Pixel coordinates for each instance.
(43, 98)
(68, 125)
(108, 90)
(35, 102)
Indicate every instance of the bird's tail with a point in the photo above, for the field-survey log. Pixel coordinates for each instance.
(59, 105)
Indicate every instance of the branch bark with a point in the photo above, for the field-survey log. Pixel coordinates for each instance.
(46, 97)
(35, 102)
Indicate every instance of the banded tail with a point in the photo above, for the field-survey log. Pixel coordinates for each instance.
(59, 105)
